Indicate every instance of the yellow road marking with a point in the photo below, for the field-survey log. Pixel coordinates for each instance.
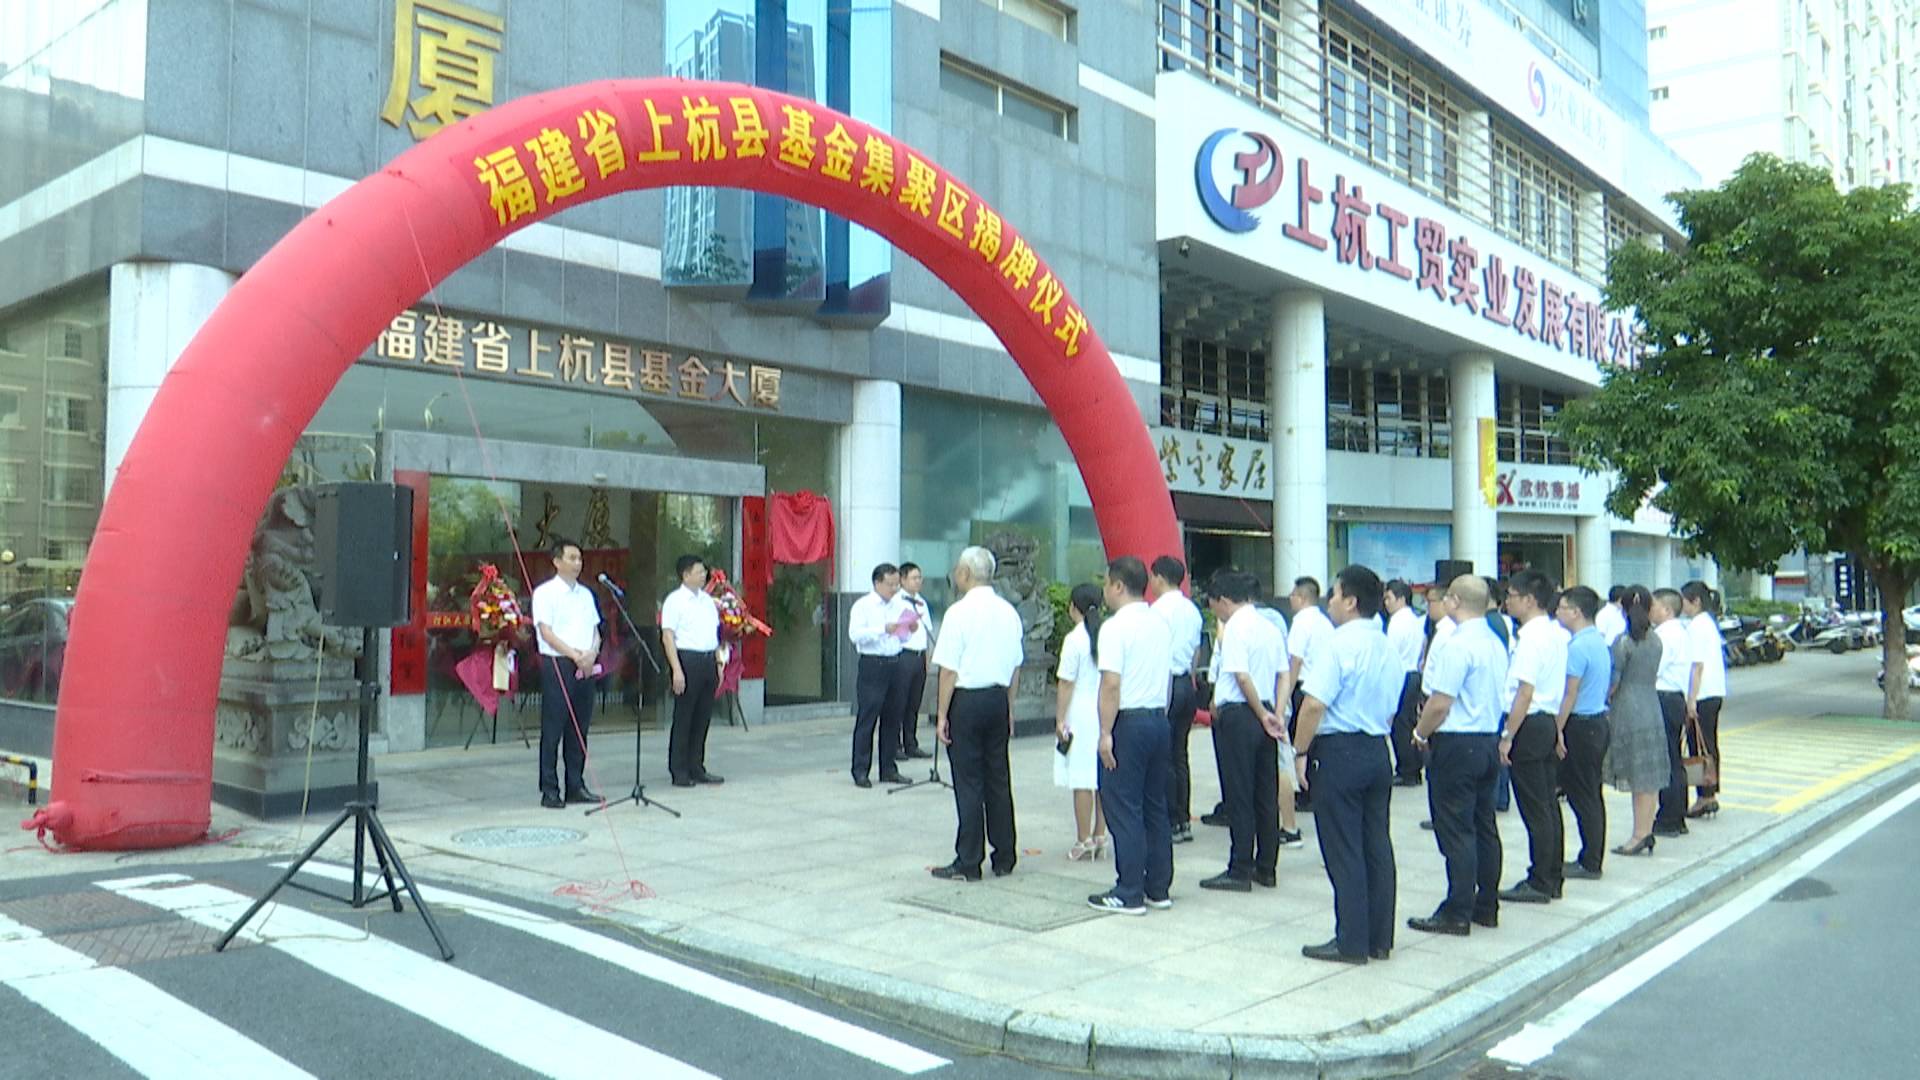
(1835, 783)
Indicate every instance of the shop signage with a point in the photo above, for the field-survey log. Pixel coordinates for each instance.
(447, 51)
(1435, 258)
(1215, 465)
(1547, 490)
(448, 342)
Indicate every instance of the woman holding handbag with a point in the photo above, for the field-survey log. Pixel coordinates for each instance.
(1637, 757)
(1076, 762)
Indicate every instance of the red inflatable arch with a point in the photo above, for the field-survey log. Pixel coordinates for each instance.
(134, 734)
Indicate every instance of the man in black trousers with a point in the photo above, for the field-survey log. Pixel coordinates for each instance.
(1671, 683)
(1459, 731)
(690, 633)
(913, 657)
(1529, 743)
(1351, 684)
(978, 657)
(877, 626)
(1185, 627)
(1247, 729)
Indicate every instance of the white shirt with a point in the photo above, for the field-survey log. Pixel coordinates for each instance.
(922, 630)
(1443, 630)
(981, 642)
(867, 625)
(1676, 650)
(570, 611)
(694, 619)
(1406, 632)
(1539, 660)
(1251, 646)
(1310, 627)
(1136, 645)
(1471, 668)
(1278, 621)
(1357, 676)
(1703, 636)
(1183, 627)
(1611, 622)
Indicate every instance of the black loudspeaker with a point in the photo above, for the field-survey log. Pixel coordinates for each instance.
(363, 537)
(1445, 570)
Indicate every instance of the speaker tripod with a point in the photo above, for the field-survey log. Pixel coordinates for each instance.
(639, 794)
(933, 774)
(366, 827)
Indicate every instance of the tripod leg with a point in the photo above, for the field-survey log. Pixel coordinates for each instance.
(381, 841)
(386, 874)
(292, 869)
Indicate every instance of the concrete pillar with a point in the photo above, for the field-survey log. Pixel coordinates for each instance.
(1666, 551)
(1593, 553)
(1476, 526)
(867, 519)
(153, 311)
(1297, 383)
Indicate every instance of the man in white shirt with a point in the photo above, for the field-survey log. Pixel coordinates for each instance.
(1459, 728)
(1406, 632)
(1529, 743)
(1135, 653)
(1706, 686)
(978, 657)
(913, 655)
(1351, 688)
(1248, 729)
(1612, 620)
(1671, 682)
(690, 632)
(567, 618)
(1184, 626)
(877, 626)
(1309, 630)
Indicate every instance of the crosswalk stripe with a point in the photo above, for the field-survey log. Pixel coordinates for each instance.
(148, 1029)
(798, 1019)
(536, 1037)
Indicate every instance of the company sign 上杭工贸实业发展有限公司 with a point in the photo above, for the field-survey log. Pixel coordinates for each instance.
(1404, 240)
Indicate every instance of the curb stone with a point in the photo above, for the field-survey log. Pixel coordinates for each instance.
(1396, 1044)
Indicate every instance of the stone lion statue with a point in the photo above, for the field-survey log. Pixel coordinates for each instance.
(275, 616)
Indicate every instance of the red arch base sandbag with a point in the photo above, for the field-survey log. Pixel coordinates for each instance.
(134, 730)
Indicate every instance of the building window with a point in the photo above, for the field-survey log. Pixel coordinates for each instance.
(1659, 93)
(1383, 107)
(1656, 33)
(9, 480)
(1525, 412)
(1401, 414)
(71, 485)
(68, 413)
(1621, 231)
(12, 404)
(73, 341)
(67, 551)
(1534, 203)
(1042, 16)
(1212, 388)
(1014, 102)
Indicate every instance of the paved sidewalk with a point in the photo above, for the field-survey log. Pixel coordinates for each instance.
(788, 868)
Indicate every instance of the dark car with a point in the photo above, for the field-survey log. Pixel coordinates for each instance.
(33, 646)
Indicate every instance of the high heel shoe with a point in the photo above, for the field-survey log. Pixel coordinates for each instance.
(1100, 845)
(1705, 808)
(1082, 850)
(1643, 846)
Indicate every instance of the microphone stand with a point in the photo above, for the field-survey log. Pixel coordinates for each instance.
(933, 774)
(639, 795)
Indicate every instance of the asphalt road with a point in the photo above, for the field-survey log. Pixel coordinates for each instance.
(1814, 974)
(94, 980)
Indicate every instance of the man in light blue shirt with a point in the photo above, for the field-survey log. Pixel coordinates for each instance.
(1584, 730)
(1459, 729)
(1350, 686)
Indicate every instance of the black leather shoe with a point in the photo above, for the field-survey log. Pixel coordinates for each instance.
(1002, 871)
(915, 752)
(1380, 954)
(1215, 818)
(1670, 830)
(1406, 781)
(682, 782)
(710, 778)
(1436, 925)
(1331, 953)
(1491, 922)
(892, 778)
(553, 802)
(1524, 893)
(582, 795)
(955, 872)
(861, 781)
(1580, 871)
(1227, 882)
(1183, 833)
(1265, 879)
(1427, 825)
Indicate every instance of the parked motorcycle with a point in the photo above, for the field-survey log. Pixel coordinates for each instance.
(1913, 670)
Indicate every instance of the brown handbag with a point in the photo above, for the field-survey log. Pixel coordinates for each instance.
(1702, 770)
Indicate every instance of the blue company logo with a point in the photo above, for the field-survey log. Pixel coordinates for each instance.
(1261, 172)
(1537, 89)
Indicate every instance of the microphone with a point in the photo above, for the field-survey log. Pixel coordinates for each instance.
(617, 590)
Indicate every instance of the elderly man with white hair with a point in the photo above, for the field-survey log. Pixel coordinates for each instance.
(978, 656)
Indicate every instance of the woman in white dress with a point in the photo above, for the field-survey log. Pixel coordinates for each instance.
(1076, 761)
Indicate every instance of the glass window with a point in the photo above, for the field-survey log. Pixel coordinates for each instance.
(12, 399)
(1380, 104)
(1016, 103)
(1038, 14)
(70, 485)
(1534, 202)
(67, 413)
(10, 480)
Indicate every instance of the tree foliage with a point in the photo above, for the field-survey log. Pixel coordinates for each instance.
(1776, 406)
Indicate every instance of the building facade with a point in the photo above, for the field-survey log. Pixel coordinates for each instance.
(1348, 300)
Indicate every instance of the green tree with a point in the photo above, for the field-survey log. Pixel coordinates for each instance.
(1777, 404)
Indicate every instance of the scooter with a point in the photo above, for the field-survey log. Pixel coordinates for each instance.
(1913, 671)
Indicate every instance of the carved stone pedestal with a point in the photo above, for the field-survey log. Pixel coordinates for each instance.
(266, 723)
